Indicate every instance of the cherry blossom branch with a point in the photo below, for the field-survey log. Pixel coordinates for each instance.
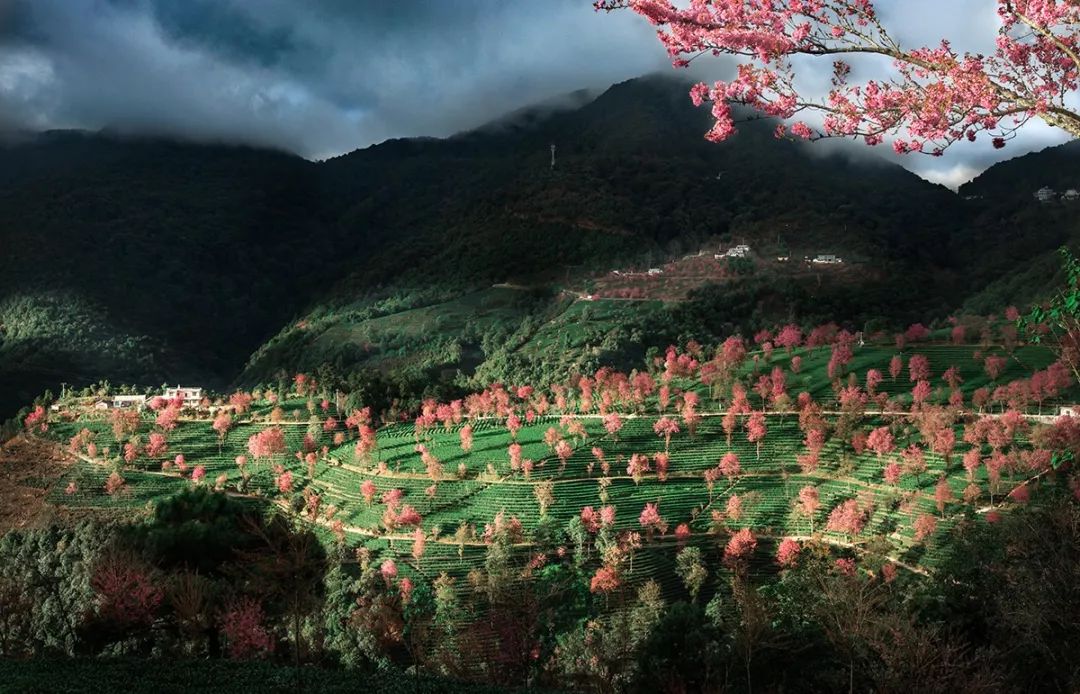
(937, 97)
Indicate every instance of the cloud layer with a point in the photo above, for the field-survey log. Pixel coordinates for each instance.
(322, 77)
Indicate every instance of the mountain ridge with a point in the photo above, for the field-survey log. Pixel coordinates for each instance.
(207, 251)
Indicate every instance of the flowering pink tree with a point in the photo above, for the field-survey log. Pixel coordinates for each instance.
(388, 570)
(729, 466)
(734, 507)
(756, 430)
(666, 426)
(924, 526)
(240, 402)
(994, 364)
(563, 450)
(919, 368)
(267, 443)
(787, 553)
(789, 337)
(612, 424)
(881, 441)
(920, 394)
(808, 503)
(222, 423)
(125, 591)
(942, 494)
(896, 365)
(157, 445)
(914, 462)
(284, 482)
(637, 466)
(513, 425)
(661, 460)
(739, 547)
(368, 491)
(37, 419)
(167, 417)
(419, 543)
(934, 97)
(873, 380)
(847, 518)
(605, 580)
(651, 521)
(892, 474)
(466, 435)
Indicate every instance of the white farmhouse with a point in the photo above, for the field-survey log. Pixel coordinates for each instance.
(1071, 194)
(740, 251)
(827, 259)
(1045, 194)
(655, 271)
(191, 396)
(122, 402)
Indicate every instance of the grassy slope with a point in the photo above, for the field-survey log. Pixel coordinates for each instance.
(767, 487)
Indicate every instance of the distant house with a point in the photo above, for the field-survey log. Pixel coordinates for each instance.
(1071, 194)
(827, 259)
(191, 396)
(101, 405)
(121, 402)
(1045, 194)
(655, 271)
(739, 251)
(1069, 411)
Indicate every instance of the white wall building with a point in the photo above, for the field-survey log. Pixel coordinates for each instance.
(1045, 194)
(121, 402)
(191, 396)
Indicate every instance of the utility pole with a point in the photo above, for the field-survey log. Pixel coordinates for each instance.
(553, 157)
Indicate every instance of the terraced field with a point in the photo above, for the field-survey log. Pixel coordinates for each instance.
(472, 488)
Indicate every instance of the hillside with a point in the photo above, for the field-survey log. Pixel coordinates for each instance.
(1009, 244)
(144, 260)
(141, 260)
(631, 191)
(517, 526)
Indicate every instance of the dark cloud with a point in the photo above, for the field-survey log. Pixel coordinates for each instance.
(318, 78)
(321, 77)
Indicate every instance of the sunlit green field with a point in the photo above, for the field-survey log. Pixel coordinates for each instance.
(457, 502)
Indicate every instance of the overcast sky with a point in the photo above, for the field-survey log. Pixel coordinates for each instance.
(323, 77)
